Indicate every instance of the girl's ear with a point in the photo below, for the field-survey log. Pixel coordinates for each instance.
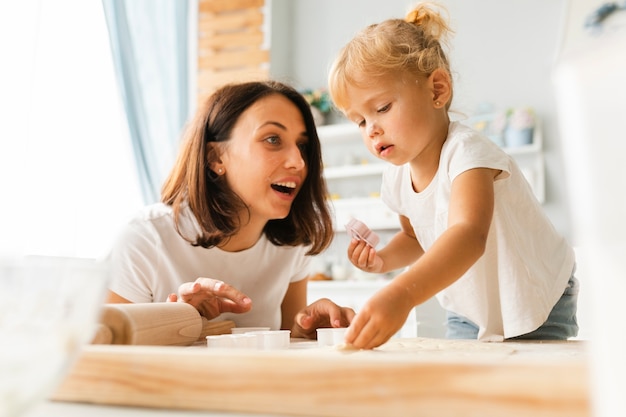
(441, 86)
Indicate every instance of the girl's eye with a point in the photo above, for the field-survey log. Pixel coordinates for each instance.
(360, 123)
(384, 108)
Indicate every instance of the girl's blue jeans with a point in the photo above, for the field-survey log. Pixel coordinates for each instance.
(560, 325)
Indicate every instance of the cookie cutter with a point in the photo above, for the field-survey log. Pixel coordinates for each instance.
(358, 230)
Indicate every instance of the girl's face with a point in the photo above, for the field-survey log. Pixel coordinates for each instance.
(398, 118)
(264, 160)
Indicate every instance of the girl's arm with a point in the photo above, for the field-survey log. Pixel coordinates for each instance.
(403, 249)
(453, 253)
(463, 242)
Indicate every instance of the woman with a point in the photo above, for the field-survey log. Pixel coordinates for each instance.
(242, 212)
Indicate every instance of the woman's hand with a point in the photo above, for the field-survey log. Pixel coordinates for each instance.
(212, 297)
(364, 257)
(321, 313)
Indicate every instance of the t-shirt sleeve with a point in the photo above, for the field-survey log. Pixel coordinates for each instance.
(473, 151)
(133, 263)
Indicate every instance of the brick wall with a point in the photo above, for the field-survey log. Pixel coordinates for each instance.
(230, 43)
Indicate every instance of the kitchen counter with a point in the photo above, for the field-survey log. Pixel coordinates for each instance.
(408, 377)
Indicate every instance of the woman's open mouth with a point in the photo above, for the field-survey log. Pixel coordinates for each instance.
(288, 188)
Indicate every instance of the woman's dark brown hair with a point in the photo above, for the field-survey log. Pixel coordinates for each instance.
(214, 205)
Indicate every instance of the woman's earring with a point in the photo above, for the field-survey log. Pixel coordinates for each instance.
(437, 103)
(220, 170)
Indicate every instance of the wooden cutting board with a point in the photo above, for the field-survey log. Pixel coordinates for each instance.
(406, 377)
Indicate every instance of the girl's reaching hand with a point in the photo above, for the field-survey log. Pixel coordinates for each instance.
(364, 257)
(381, 317)
(212, 297)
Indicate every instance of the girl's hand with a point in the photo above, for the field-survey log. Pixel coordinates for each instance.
(364, 257)
(381, 317)
(321, 313)
(212, 297)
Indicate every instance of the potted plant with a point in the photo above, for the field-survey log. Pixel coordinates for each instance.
(520, 127)
(320, 103)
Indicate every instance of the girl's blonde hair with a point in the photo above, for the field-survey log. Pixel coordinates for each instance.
(413, 44)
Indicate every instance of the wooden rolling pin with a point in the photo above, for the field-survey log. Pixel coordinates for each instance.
(167, 324)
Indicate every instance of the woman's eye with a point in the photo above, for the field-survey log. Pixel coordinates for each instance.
(360, 123)
(304, 147)
(273, 140)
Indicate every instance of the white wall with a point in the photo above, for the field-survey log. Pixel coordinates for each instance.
(503, 53)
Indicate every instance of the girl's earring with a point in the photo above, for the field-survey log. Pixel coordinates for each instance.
(437, 103)
(220, 170)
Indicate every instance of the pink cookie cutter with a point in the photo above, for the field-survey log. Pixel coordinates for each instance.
(358, 230)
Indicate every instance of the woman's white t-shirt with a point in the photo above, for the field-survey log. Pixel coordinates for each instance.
(513, 287)
(150, 260)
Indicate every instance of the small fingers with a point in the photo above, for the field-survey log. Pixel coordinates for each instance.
(361, 254)
(355, 250)
(370, 340)
(364, 333)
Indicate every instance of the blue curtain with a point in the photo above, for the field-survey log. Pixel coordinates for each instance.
(150, 51)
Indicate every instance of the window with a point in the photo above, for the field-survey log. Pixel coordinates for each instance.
(67, 177)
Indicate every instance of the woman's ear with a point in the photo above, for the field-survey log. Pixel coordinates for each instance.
(214, 161)
(441, 86)
(218, 168)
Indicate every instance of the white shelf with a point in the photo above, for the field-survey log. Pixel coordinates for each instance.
(339, 132)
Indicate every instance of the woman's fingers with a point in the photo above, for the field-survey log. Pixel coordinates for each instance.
(212, 297)
(233, 300)
(321, 313)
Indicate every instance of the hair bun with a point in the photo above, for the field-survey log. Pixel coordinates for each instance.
(428, 17)
(416, 16)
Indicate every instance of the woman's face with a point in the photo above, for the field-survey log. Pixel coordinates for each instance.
(264, 160)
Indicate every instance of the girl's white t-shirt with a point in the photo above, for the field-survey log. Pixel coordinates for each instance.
(150, 260)
(513, 287)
